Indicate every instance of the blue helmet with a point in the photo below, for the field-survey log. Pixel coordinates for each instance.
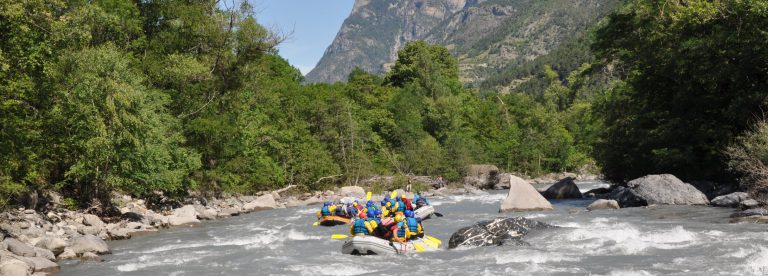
(349, 204)
(369, 203)
(326, 204)
(386, 197)
(371, 213)
(384, 202)
(408, 213)
(378, 213)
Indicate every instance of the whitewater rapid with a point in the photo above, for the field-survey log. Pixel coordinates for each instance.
(669, 240)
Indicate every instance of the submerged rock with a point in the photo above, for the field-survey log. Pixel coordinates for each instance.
(495, 232)
(563, 189)
(664, 189)
(523, 197)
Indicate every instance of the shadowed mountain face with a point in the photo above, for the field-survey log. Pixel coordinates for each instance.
(485, 35)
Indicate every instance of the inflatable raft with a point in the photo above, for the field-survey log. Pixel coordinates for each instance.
(333, 221)
(424, 212)
(370, 245)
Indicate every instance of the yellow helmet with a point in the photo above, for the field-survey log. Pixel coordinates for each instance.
(398, 217)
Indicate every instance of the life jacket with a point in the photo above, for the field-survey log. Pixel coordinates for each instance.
(421, 201)
(359, 227)
(408, 205)
(413, 227)
(325, 211)
(383, 230)
(340, 212)
(352, 212)
(400, 206)
(401, 230)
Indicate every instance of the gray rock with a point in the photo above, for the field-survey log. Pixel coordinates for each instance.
(732, 200)
(183, 215)
(713, 189)
(68, 253)
(90, 257)
(119, 234)
(503, 182)
(14, 267)
(39, 264)
(563, 189)
(665, 189)
(134, 225)
(92, 220)
(482, 176)
(89, 230)
(749, 204)
(19, 248)
(352, 191)
(89, 243)
(603, 204)
(523, 197)
(44, 253)
(229, 212)
(495, 232)
(265, 202)
(750, 212)
(207, 214)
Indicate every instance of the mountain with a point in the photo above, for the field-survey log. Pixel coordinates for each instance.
(487, 36)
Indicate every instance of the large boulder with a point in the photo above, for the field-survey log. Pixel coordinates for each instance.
(265, 202)
(603, 204)
(19, 248)
(503, 182)
(482, 176)
(92, 220)
(713, 189)
(43, 265)
(523, 197)
(184, 215)
(89, 243)
(664, 189)
(14, 267)
(732, 200)
(352, 191)
(563, 189)
(495, 232)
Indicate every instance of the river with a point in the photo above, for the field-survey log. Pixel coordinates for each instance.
(664, 240)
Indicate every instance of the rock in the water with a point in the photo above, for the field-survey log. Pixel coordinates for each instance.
(68, 253)
(54, 244)
(495, 232)
(563, 189)
(119, 234)
(184, 215)
(90, 257)
(597, 192)
(603, 204)
(523, 197)
(750, 212)
(265, 202)
(664, 189)
(14, 267)
(19, 248)
(89, 243)
(749, 204)
(732, 200)
(352, 191)
(482, 176)
(713, 190)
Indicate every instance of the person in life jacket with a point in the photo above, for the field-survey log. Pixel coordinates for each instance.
(407, 202)
(420, 200)
(383, 230)
(377, 216)
(326, 210)
(398, 229)
(399, 206)
(415, 230)
(387, 209)
(370, 206)
(340, 211)
(358, 205)
(361, 227)
(351, 210)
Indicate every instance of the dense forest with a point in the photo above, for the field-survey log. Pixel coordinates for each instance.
(178, 96)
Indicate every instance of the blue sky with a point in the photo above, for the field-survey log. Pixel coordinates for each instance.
(314, 24)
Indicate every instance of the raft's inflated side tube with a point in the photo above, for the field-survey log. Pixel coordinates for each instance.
(334, 220)
(424, 212)
(370, 245)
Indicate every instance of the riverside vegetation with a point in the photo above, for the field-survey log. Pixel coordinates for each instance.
(158, 99)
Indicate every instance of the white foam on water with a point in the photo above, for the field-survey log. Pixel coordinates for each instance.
(624, 272)
(533, 216)
(331, 269)
(757, 263)
(484, 198)
(740, 253)
(147, 261)
(307, 211)
(536, 257)
(625, 238)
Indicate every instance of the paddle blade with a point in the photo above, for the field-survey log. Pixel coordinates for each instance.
(439, 215)
(338, 236)
(316, 223)
(430, 243)
(393, 194)
(436, 240)
(419, 248)
(368, 196)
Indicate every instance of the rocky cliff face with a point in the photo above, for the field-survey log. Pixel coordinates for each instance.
(485, 35)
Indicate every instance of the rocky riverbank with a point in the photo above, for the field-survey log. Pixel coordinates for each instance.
(33, 241)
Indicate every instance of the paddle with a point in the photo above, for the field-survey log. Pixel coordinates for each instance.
(316, 223)
(438, 241)
(393, 194)
(368, 196)
(339, 236)
(418, 247)
(430, 243)
(439, 215)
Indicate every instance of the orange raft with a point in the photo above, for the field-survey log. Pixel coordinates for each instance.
(333, 221)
